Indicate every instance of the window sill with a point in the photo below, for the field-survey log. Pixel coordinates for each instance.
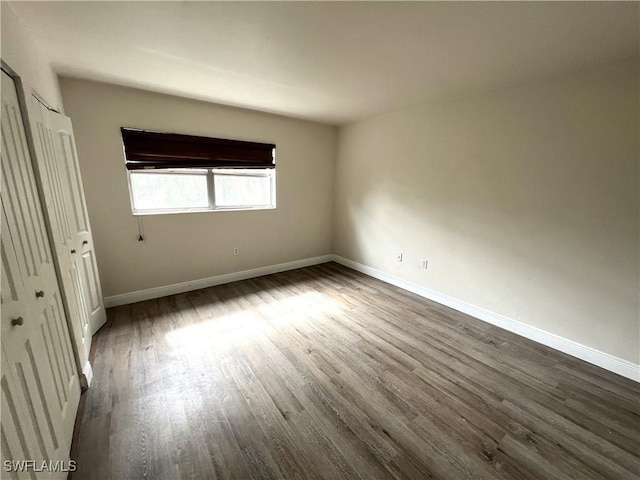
(201, 210)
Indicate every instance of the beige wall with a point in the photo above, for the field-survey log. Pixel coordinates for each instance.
(525, 202)
(20, 52)
(184, 247)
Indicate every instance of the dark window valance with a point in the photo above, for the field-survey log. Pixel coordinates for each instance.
(146, 149)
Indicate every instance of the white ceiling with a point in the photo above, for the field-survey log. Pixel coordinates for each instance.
(328, 61)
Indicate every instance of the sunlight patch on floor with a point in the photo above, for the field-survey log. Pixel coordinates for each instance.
(248, 324)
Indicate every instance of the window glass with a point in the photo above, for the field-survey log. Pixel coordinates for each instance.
(238, 189)
(169, 191)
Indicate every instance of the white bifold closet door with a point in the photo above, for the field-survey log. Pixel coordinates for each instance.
(39, 379)
(59, 172)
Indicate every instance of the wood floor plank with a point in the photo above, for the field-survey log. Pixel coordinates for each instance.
(602, 457)
(325, 373)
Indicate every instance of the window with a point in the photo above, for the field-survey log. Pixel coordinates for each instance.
(197, 190)
(170, 173)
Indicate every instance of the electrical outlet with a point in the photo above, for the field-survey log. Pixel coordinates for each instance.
(425, 264)
(399, 257)
(236, 251)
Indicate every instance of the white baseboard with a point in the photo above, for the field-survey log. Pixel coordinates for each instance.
(157, 292)
(88, 373)
(588, 354)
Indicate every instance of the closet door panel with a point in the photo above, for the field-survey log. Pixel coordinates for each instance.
(30, 386)
(71, 169)
(76, 289)
(88, 269)
(13, 288)
(52, 179)
(16, 431)
(57, 188)
(18, 187)
(84, 258)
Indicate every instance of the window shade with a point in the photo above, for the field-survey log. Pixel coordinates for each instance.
(146, 149)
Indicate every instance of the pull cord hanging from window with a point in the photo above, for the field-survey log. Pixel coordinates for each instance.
(140, 230)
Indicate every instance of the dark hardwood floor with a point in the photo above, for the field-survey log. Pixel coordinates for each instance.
(326, 373)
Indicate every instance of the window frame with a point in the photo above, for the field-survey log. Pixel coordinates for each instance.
(210, 173)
